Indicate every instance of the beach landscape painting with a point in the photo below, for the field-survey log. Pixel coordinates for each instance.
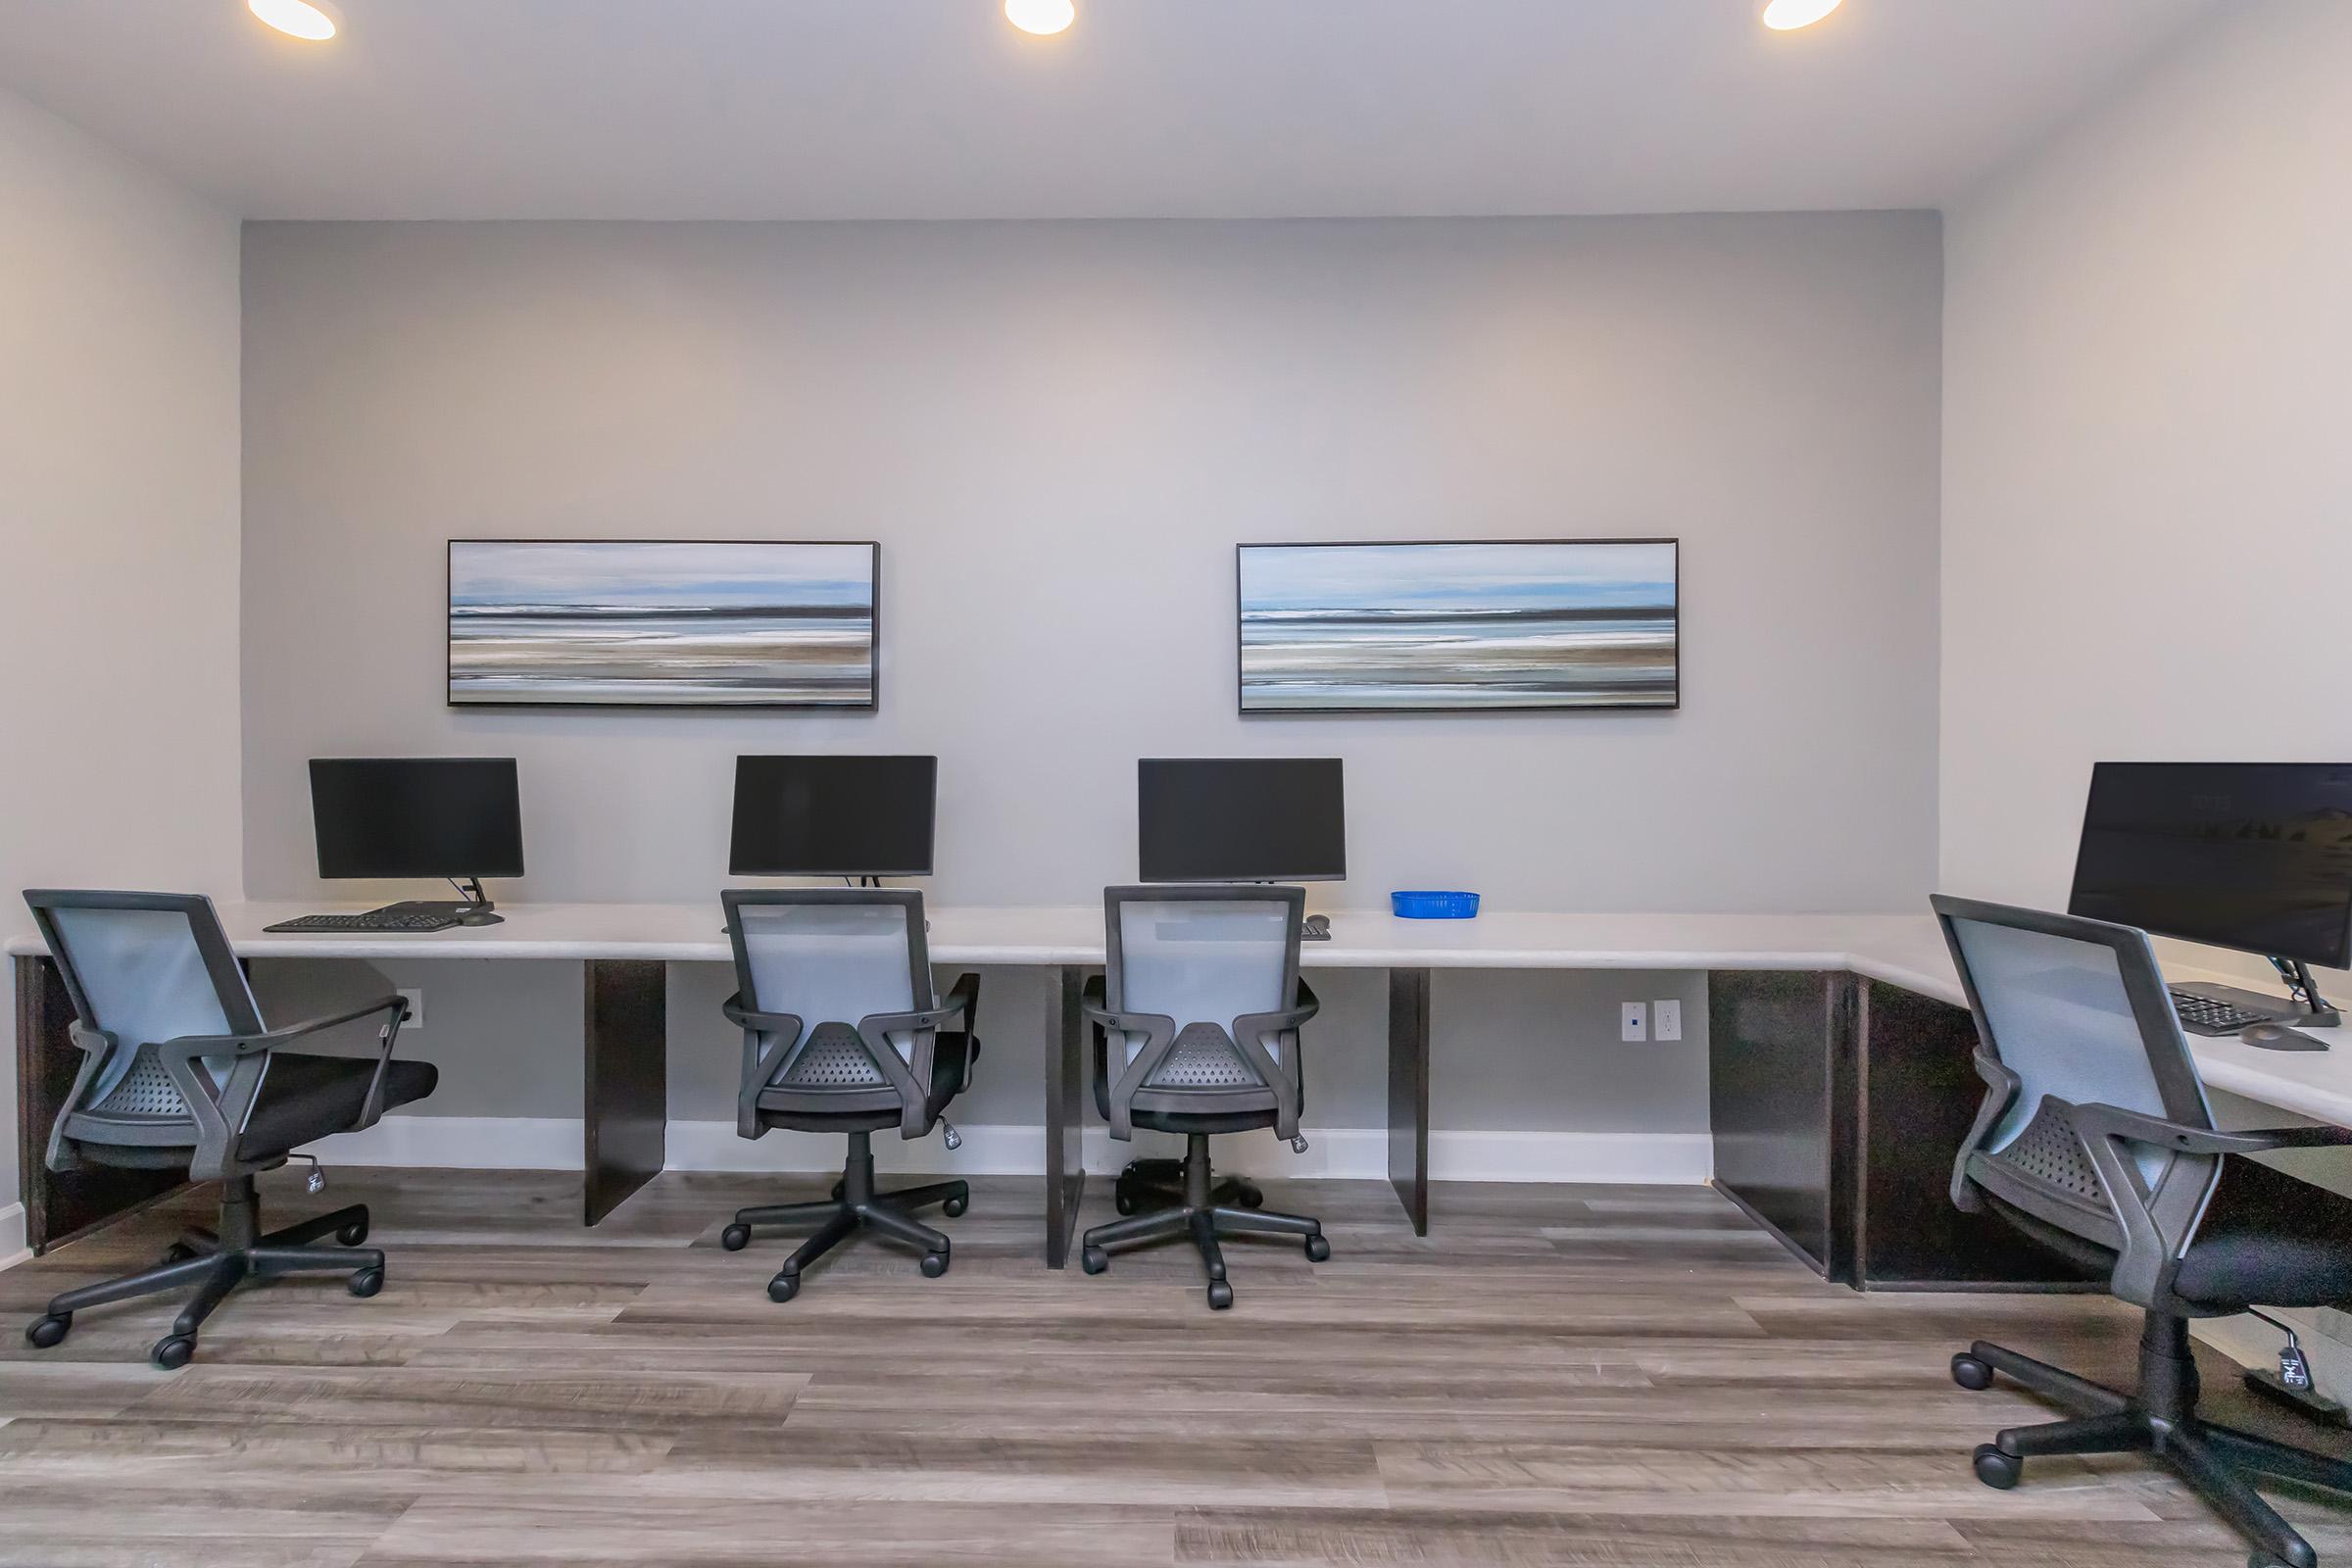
(661, 623)
(1473, 626)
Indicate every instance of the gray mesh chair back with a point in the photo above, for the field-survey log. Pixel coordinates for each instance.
(144, 968)
(1204, 962)
(830, 963)
(2069, 1012)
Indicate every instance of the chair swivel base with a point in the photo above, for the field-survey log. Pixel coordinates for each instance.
(854, 1207)
(2215, 1462)
(216, 1263)
(1198, 1215)
(1159, 1183)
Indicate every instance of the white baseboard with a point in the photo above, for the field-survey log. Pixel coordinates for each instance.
(531, 1143)
(12, 1250)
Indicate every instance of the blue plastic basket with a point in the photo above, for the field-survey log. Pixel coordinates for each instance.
(1426, 905)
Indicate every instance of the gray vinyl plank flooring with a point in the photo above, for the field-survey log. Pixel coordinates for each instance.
(1556, 1376)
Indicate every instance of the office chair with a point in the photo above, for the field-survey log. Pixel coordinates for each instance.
(180, 1070)
(841, 1033)
(1202, 1001)
(2095, 1140)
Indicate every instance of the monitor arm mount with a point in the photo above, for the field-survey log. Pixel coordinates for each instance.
(2304, 988)
(477, 908)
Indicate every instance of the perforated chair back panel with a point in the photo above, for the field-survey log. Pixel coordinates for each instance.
(145, 980)
(828, 963)
(2061, 1018)
(1203, 1059)
(1203, 961)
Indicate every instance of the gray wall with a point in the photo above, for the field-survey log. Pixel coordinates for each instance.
(2143, 422)
(1059, 432)
(118, 533)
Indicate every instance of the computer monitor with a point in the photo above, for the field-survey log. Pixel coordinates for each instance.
(2251, 855)
(458, 818)
(863, 816)
(1240, 819)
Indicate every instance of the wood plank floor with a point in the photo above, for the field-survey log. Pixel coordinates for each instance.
(1557, 1374)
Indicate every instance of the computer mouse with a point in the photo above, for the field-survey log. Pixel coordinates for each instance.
(2278, 1037)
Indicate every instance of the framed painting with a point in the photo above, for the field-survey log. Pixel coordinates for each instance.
(662, 623)
(1463, 626)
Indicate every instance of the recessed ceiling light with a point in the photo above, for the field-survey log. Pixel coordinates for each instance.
(310, 19)
(1785, 16)
(1042, 17)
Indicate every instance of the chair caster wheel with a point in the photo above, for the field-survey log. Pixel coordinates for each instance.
(1251, 1198)
(1997, 1470)
(1319, 1251)
(954, 1207)
(735, 1237)
(1220, 1296)
(1093, 1260)
(366, 1281)
(784, 1287)
(48, 1333)
(353, 1234)
(178, 1253)
(1124, 1202)
(934, 1264)
(838, 1190)
(1971, 1373)
(173, 1351)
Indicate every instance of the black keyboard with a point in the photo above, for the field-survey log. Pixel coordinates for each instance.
(2202, 1016)
(391, 917)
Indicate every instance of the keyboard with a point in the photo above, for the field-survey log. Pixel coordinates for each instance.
(2202, 1016)
(391, 917)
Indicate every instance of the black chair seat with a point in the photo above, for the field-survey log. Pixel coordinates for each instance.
(1254, 1110)
(306, 1098)
(2269, 1240)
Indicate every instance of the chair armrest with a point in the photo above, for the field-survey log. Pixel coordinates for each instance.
(220, 1115)
(97, 1050)
(1249, 1032)
(2158, 1225)
(2112, 1121)
(911, 1077)
(1159, 1038)
(766, 1023)
(2001, 1088)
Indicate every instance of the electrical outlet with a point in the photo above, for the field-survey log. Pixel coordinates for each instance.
(1632, 1021)
(1667, 1016)
(416, 1000)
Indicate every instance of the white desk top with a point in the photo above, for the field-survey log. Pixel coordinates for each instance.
(1901, 950)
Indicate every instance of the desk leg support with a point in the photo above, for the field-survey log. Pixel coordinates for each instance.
(625, 1114)
(1409, 1092)
(1065, 1125)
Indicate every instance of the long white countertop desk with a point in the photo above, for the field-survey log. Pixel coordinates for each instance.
(1900, 949)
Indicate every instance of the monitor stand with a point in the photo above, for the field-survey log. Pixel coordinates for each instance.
(476, 909)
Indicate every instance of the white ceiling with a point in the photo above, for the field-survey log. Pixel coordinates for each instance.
(772, 109)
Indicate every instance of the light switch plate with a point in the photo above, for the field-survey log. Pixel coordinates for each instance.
(415, 996)
(1632, 1021)
(1666, 1019)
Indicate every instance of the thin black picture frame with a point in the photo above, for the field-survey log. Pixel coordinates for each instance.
(1240, 691)
(872, 704)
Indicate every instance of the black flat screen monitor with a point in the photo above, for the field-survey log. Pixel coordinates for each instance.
(416, 816)
(1240, 819)
(2252, 856)
(833, 815)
